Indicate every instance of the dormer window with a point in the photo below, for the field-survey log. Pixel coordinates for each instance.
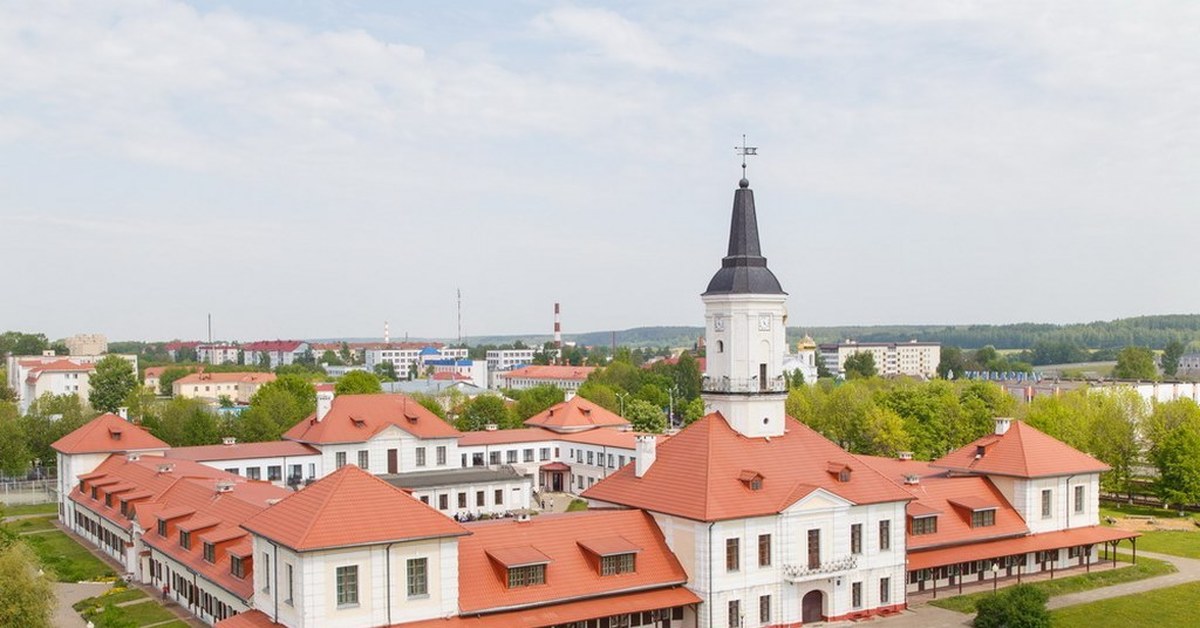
(839, 470)
(844, 475)
(162, 527)
(924, 525)
(124, 508)
(108, 499)
(95, 493)
(617, 563)
(358, 422)
(526, 576)
(237, 566)
(983, 518)
(210, 553)
(185, 539)
(752, 479)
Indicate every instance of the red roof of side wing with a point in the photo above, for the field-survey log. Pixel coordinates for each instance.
(698, 474)
(357, 418)
(107, 433)
(346, 508)
(575, 414)
(1022, 452)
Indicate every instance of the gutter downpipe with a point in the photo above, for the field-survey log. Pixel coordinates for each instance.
(275, 589)
(711, 569)
(388, 585)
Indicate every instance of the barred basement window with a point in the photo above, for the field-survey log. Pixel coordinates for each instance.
(528, 575)
(617, 563)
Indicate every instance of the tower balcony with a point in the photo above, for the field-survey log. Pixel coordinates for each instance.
(836, 567)
(743, 386)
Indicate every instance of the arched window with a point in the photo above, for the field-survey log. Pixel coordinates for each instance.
(720, 346)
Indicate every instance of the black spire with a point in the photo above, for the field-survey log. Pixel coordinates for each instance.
(744, 270)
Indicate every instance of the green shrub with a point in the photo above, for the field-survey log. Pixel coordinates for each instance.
(1021, 606)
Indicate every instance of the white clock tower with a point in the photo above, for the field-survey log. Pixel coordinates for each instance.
(744, 320)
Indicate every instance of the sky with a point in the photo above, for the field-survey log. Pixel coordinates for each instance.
(312, 169)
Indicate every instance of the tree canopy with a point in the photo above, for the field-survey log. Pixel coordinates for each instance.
(860, 365)
(486, 410)
(1135, 363)
(26, 591)
(1020, 606)
(357, 383)
(111, 384)
(645, 416)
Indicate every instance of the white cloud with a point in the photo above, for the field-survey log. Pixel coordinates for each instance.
(612, 36)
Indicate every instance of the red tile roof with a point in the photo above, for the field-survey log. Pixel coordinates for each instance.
(575, 414)
(573, 373)
(107, 432)
(350, 507)
(504, 437)
(273, 345)
(57, 366)
(269, 449)
(952, 499)
(1022, 452)
(357, 418)
(248, 619)
(609, 437)
(1020, 545)
(696, 474)
(572, 572)
(449, 375)
(249, 377)
(557, 614)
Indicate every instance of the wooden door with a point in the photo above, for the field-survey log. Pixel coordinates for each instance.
(393, 461)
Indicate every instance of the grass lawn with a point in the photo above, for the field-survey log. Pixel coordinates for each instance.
(1173, 542)
(1145, 568)
(1117, 511)
(68, 560)
(143, 614)
(116, 596)
(1172, 606)
(31, 525)
(30, 509)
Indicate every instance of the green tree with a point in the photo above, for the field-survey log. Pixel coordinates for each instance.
(1175, 451)
(952, 364)
(860, 365)
(357, 383)
(645, 416)
(166, 380)
(49, 418)
(18, 343)
(331, 358)
(111, 383)
(1020, 606)
(1170, 357)
(26, 591)
(486, 410)
(534, 400)
(693, 411)
(14, 452)
(600, 394)
(386, 371)
(795, 379)
(430, 403)
(1135, 363)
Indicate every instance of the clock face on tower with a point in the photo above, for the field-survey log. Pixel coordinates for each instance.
(764, 322)
(718, 323)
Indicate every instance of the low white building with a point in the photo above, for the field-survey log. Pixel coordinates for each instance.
(405, 356)
(280, 462)
(31, 376)
(508, 359)
(567, 378)
(218, 353)
(912, 358)
(238, 387)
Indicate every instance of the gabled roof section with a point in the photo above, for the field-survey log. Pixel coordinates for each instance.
(574, 415)
(107, 433)
(237, 451)
(572, 373)
(350, 507)
(1022, 452)
(358, 418)
(572, 572)
(233, 377)
(697, 474)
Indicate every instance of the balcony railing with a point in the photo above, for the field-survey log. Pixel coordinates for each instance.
(752, 385)
(831, 568)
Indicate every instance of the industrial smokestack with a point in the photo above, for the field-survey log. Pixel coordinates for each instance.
(387, 334)
(557, 327)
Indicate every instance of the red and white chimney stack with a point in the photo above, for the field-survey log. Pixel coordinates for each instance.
(557, 327)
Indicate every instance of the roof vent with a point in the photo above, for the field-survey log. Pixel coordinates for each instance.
(912, 479)
(166, 468)
(224, 486)
(491, 427)
(133, 457)
(229, 440)
(524, 518)
(905, 455)
(274, 500)
(358, 421)
(979, 451)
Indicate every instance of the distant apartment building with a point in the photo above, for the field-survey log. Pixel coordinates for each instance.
(218, 353)
(176, 348)
(568, 378)
(403, 356)
(474, 371)
(1189, 364)
(912, 358)
(276, 352)
(87, 344)
(507, 359)
(33, 376)
(238, 387)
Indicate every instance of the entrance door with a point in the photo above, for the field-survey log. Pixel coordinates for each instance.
(393, 462)
(557, 482)
(811, 607)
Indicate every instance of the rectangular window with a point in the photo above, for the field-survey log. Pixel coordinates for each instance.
(814, 548)
(266, 569)
(499, 497)
(611, 461)
(885, 590)
(983, 518)
(591, 457)
(528, 575)
(1045, 503)
(462, 500)
(617, 563)
(162, 527)
(347, 585)
(364, 459)
(544, 454)
(735, 613)
(339, 460)
(733, 554)
(494, 458)
(510, 456)
(443, 502)
(924, 525)
(856, 595)
(274, 473)
(856, 538)
(254, 473)
(479, 499)
(885, 535)
(290, 585)
(210, 553)
(764, 609)
(764, 550)
(236, 568)
(527, 455)
(420, 456)
(1079, 499)
(418, 577)
(185, 539)
(441, 455)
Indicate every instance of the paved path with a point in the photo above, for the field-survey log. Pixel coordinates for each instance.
(69, 593)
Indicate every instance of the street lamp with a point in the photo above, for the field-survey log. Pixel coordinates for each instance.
(621, 397)
(995, 574)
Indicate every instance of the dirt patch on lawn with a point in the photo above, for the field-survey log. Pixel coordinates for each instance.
(1143, 524)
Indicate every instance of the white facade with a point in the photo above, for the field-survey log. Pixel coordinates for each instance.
(278, 470)
(912, 358)
(507, 359)
(404, 359)
(392, 443)
(218, 354)
(473, 499)
(29, 378)
(1053, 503)
(87, 344)
(744, 379)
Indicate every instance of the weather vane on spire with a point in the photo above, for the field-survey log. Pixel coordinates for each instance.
(745, 151)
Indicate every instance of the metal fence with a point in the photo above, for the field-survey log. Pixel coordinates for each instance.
(14, 492)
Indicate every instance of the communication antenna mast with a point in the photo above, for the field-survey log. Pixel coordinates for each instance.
(459, 290)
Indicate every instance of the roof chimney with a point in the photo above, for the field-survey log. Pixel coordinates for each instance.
(646, 454)
(224, 487)
(1002, 424)
(229, 440)
(491, 427)
(133, 457)
(905, 455)
(324, 403)
(912, 479)
(123, 412)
